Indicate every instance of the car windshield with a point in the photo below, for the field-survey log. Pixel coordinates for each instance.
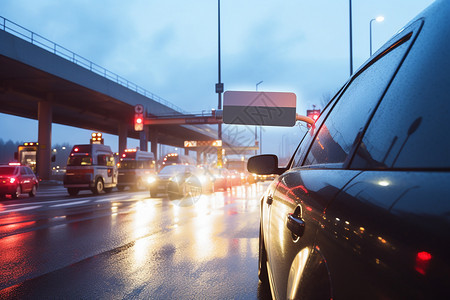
(172, 170)
(7, 170)
(79, 160)
(128, 165)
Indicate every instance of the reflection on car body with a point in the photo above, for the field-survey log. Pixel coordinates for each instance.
(16, 179)
(361, 211)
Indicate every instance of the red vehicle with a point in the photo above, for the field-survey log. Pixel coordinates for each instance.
(16, 179)
(222, 179)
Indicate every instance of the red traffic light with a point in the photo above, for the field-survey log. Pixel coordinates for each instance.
(313, 114)
(139, 122)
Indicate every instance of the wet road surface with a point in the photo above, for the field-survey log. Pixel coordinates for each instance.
(130, 246)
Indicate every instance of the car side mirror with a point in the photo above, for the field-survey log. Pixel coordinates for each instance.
(264, 165)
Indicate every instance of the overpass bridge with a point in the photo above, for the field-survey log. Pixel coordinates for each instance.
(42, 80)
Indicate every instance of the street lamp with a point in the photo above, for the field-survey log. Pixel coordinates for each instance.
(219, 87)
(378, 19)
(350, 34)
(258, 84)
(256, 131)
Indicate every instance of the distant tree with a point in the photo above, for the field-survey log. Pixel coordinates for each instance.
(7, 151)
(61, 154)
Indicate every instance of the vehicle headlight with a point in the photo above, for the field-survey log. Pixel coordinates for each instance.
(203, 179)
(151, 179)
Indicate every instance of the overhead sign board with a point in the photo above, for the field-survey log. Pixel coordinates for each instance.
(214, 143)
(259, 108)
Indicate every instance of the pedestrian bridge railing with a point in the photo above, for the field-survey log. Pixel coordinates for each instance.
(44, 43)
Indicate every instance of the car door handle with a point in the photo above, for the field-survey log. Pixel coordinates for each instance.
(269, 200)
(295, 224)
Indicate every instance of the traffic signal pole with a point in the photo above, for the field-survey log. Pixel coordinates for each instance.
(219, 91)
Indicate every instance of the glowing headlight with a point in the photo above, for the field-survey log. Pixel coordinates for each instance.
(203, 179)
(151, 179)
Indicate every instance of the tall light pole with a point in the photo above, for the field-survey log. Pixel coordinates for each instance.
(351, 44)
(256, 128)
(258, 84)
(219, 88)
(378, 19)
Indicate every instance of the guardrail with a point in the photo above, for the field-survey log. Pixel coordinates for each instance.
(46, 44)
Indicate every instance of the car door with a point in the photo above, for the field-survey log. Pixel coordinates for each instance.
(307, 189)
(25, 180)
(387, 234)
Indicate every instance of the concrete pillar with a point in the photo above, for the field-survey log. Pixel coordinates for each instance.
(199, 157)
(44, 138)
(143, 139)
(154, 142)
(123, 133)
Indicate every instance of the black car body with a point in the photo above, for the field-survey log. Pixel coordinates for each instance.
(362, 210)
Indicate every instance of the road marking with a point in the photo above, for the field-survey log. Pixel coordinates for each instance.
(21, 209)
(70, 203)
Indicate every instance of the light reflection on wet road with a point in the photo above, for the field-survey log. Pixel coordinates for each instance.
(127, 245)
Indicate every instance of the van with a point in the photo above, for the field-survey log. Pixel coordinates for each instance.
(90, 167)
(134, 168)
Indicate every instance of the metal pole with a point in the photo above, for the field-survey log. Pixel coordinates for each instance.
(351, 44)
(256, 138)
(219, 106)
(220, 93)
(370, 35)
(256, 128)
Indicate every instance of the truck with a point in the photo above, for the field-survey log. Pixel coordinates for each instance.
(134, 168)
(91, 167)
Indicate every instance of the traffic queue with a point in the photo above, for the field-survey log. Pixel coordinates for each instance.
(95, 167)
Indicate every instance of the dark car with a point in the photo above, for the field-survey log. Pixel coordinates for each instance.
(362, 211)
(180, 181)
(16, 179)
(222, 179)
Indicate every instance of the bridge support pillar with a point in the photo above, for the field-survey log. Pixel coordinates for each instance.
(143, 139)
(44, 138)
(123, 132)
(154, 142)
(199, 157)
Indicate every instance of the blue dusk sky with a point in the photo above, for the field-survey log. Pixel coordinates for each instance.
(170, 48)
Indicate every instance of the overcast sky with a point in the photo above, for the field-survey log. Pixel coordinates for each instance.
(170, 48)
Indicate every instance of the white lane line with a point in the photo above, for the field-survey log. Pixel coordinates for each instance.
(20, 209)
(70, 203)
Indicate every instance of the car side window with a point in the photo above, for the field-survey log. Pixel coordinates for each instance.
(309, 136)
(101, 160)
(23, 171)
(109, 160)
(410, 128)
(346, 122)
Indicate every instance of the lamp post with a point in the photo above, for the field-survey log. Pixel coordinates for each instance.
(378, 19)
(351, 43)
(258, 84)
(219, 88)
(256, 131)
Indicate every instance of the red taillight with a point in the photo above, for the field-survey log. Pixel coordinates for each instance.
(12, 180)
(422, 262)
